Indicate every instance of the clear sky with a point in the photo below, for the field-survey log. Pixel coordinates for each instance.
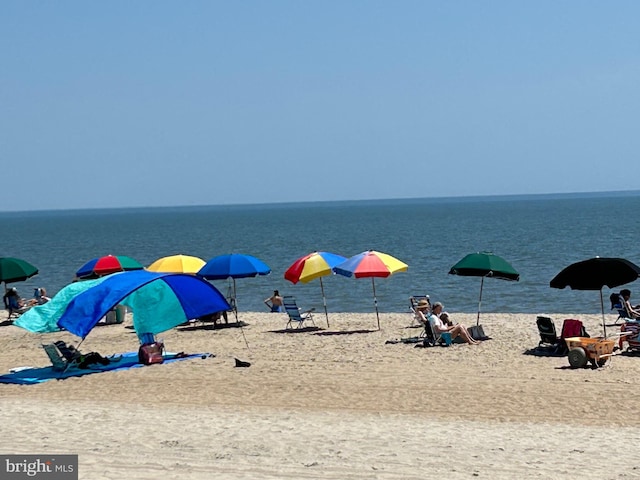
(158, 103)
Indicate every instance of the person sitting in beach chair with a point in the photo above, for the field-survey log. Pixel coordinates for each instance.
(421, 311)
(431, 336)
(630, 316)
(64, 356)
(416, 301)
(457, 330)
(14, 303)
(39, 297)
(632, 312)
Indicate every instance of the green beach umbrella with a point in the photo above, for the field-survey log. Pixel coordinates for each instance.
(15, 270)
(484, 264)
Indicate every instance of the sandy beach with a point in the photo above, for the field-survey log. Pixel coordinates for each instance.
(336, 403)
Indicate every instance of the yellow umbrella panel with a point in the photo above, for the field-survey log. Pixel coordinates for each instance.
(177, 264)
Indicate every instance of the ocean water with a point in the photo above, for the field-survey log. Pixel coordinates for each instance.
(538, 235)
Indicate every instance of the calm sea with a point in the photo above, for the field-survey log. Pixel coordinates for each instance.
(538, 235)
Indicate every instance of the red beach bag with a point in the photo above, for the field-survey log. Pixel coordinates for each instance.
(151, 353)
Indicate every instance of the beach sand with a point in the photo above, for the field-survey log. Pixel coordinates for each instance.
(336, 403)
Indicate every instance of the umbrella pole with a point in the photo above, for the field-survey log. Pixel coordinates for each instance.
(480, 301)
(375, 300)
(235, 301)
(235, 311)
(604, 326)
(324, 302)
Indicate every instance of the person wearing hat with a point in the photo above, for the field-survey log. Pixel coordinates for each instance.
(457, 330)
(422, 311)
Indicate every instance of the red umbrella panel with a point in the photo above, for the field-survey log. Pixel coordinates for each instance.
(312, 266)
(106, 265)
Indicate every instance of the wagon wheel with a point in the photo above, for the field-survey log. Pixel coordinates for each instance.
(577, 357)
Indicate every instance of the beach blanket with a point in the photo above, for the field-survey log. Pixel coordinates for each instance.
(32, 375)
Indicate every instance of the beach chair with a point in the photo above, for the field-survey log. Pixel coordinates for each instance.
(69, 352)
(414, 300)
(547, 331)
(295, 315)
(59, 361)
(618, 304)
(13, 307)
(418, 319)
(630, 334)
(433, 336)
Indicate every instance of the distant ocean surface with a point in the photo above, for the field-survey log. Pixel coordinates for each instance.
(538, 235)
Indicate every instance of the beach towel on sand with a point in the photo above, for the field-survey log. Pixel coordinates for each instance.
(31, 375)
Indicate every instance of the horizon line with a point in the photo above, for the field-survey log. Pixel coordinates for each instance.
(461, 198)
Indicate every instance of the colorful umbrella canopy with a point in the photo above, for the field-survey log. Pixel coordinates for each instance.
(159, 301)
(596, 273)
(106, 265)
(15, 270)
(233, 265)
(371, 264)
(177, 264)
(312, 266)
(484, 264)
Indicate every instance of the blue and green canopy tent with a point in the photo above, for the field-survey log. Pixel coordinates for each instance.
(159, 301)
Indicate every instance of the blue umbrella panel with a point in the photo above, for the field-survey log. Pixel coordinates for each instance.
(233, 265)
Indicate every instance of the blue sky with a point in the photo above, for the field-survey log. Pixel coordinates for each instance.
(157, 103)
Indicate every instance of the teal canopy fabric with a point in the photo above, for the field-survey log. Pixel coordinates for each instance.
(159, 301)
(44, 318)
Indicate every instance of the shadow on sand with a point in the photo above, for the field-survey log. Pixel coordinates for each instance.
(6, 323)
(211, 326)
(296, 330)
(544, 352)
(348, 332)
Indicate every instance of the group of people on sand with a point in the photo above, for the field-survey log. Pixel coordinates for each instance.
(13, 300)
(440, 320)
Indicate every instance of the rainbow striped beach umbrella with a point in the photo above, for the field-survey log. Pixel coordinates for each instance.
(312, 266)
(108, 264)
(371, 264)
